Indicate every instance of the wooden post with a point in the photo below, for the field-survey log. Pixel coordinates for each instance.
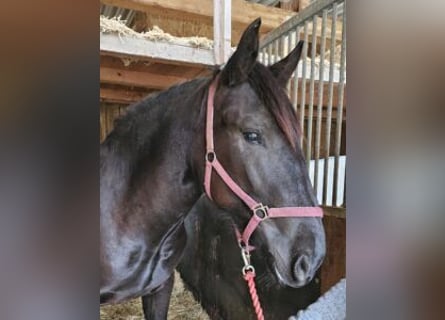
(222, 28)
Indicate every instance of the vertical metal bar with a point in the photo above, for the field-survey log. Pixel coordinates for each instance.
(284, 49)
(295, 39)
(303, 85)
(222, 30)
(269, 53)
(118, 13)
(107, 11)
(311, 91)
(290, 85)
(130, 17)
(340, 108)
(330, 102)
(320, 98)
(277, 50)
(272, 52)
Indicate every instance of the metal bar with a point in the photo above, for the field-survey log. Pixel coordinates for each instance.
(130, 17)
(329, 110)
(311, 91)
(283, 49)
(118, 13)
(292, 88)
(320, 98)
(277, 49)
(269, 54)
(107, 11)
(303, 84)
(341, 88)
(222, 30)
(113, 11)
(306, 14)
(296, 38)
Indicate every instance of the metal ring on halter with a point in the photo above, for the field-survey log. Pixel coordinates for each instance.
(248, 268)
(242, 245)
(261, 211)
(210, 156)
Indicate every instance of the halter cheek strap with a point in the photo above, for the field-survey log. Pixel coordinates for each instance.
(260, 211)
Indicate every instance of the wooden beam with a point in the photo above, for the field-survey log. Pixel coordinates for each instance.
(243, 12)
(334, 212)
(137, 79)
(183, 71)
(126, 46)
(122, 95)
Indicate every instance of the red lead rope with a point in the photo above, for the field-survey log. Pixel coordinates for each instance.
(250, 278)
(249, 275)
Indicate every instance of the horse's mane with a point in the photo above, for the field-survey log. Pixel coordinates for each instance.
(276, 101)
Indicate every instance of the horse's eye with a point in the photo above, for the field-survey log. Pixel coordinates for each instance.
(252, 137)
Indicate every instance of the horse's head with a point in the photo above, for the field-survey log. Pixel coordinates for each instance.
(256, 138)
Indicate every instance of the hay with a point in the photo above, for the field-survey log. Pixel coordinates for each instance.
(117, 26)
(182, 307)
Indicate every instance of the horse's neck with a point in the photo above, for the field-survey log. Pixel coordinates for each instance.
(152, 141)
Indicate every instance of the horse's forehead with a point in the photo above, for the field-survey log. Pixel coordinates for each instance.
(244, 97)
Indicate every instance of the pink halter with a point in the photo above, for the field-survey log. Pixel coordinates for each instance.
(260, 211)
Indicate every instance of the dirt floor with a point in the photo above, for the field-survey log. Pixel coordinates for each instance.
(182, 307)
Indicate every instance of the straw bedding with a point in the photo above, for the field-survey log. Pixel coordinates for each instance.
(182, 307)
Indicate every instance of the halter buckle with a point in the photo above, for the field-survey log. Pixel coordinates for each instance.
(210, 156)
(261, 211)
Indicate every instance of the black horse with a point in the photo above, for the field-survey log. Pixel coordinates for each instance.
(152, 173)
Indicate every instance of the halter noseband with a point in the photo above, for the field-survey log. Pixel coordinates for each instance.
(260, 211)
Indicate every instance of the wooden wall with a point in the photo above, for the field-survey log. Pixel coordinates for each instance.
(108, 113)
(334, 265)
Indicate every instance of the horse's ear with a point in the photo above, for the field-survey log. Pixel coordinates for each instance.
(243, 59)
(283, 69)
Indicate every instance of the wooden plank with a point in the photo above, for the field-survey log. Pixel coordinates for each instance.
(334, 265)
(291, 5)
(108, 114)
(294, 5)
(137, 79)
(126, 46)
(303, 4)
(243, 12)
(184, 71)
(334, 212)
(122, 95)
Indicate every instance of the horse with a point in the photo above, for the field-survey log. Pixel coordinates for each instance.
(211, 268)
(154, 162)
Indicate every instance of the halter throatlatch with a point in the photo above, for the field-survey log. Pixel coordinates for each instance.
(260, 212)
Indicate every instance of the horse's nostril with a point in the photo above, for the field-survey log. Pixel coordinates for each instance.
(302, 268)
